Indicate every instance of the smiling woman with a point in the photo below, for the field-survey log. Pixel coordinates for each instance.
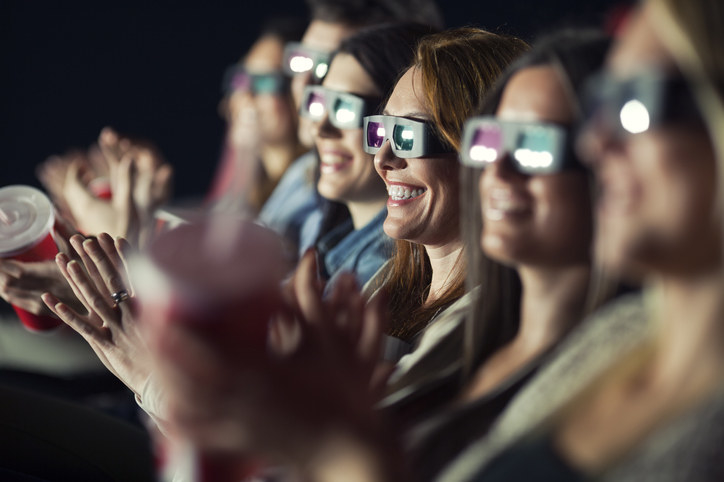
(417, 161)
(359, 76)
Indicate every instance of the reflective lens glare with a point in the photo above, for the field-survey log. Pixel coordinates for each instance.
(237, 78)
(300, 63)
(403, 137)
(315, 105)
(300, 59)
(486, 143)
(635, 117)
(375, 134)
(533, 147)
(409, 138)
(321, 70)
(345, 110)
(636, 104)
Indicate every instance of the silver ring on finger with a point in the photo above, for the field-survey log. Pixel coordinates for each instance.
(120, 296)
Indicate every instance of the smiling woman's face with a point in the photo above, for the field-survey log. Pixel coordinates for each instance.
(428, 212)
(347, 172)
(656, 208)
(535, 219)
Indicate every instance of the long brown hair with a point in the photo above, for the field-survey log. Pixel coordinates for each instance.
(457, 66)
(495, 316)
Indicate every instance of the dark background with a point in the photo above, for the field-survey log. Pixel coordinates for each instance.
(153, 69)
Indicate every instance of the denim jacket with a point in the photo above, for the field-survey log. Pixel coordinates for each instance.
(295, 204)
(362, 251)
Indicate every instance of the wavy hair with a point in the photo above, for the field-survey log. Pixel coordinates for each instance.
(457, 67)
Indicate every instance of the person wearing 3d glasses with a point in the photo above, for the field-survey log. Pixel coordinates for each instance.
(294, 208)
(360, 76)
(261, 138)
(529, 230)
(451, 73)
(648, 405)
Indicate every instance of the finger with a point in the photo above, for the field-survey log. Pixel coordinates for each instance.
(349, 303)
(305, 289)
(97, 302)
(143, 181)
(355, 310)
(78, 323)
(162, 184)
(112, 279)
(124, 249)
(114, 251)
(284, 333)
(374, 323)
(122, 181)
(90, 267)
(76, 192)
(63, 232)
(108, 144)
(98, 161)
(27, 300)
(10, 268)
(108, 246)
(62, 261)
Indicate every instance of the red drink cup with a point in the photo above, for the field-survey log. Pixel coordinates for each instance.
(26, 224)
(221, 277)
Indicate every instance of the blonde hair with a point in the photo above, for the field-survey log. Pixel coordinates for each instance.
(693, 32)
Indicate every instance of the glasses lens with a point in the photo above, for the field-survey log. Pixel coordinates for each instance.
(321, 69)
(267, 84)
(375, 134)
(486, 144)
(534, 148)
(344, 112)
(315, 105)
(403, 137)
(300, 62)
(239, 80)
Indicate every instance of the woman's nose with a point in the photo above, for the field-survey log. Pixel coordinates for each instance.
(504, 167)
(594, 139)
(386, 160)
(323, 128)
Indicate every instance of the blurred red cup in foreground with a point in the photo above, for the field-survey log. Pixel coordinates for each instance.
(221, 277)
(26, 225)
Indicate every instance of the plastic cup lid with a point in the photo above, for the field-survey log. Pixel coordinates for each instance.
(26, 218)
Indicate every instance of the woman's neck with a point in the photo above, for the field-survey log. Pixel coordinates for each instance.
(362, 212)
(446, 262)
(552, 302)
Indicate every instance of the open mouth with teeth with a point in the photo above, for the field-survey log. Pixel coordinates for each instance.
(332, 161)
(404, 193)
(502, 203)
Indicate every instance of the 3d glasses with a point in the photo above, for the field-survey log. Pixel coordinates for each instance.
(408, 138)
(272, 83)
(344, 110)
(633, 105)
(532, 147)
(299, 59)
